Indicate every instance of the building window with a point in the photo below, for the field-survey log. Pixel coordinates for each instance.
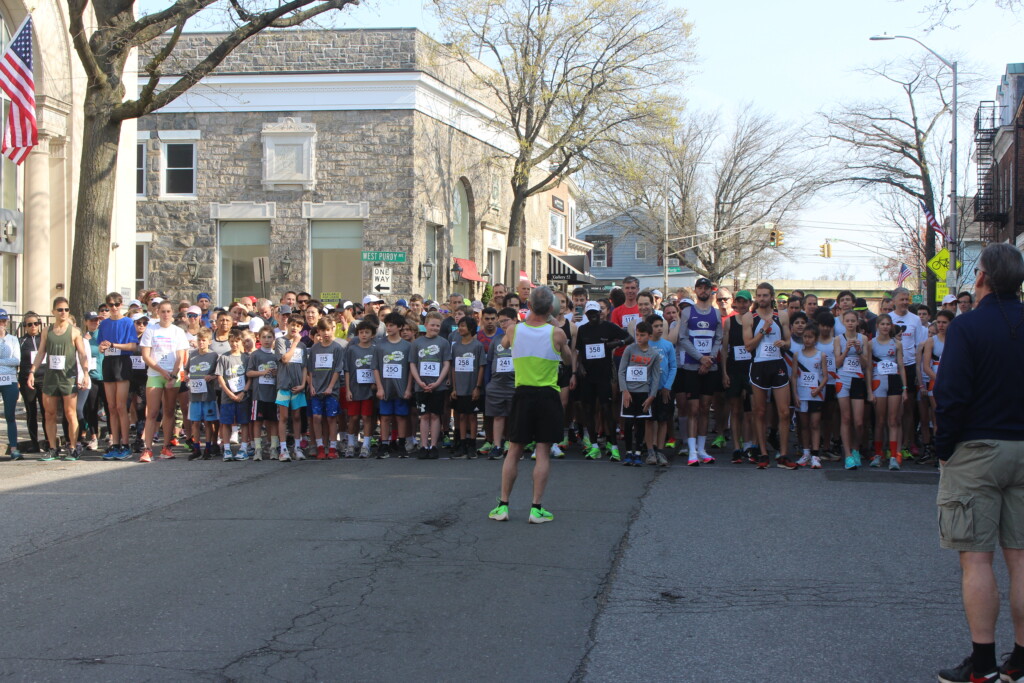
(8, 169)
(335, 250)
(535, 264)
(140, 168)
(9, 292)
(572, 220)
(460, 221)
(494, 264)
(495, 191)
(642, 250)
(141, 267)
(557, 232)
(289, 154)
(240, 242)
(179, 169)
(599, 255)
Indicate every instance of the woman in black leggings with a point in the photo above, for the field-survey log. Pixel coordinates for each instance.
(32, 398)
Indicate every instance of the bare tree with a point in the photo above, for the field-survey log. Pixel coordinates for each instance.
(940, 12)
(896, 150)
(565, 76)
(103, 54)
(722, 188)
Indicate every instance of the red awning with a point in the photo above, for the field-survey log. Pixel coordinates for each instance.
(469, 271)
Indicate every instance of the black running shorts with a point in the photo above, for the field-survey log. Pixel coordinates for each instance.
(536, 416)
(117, 368)
(769, 374)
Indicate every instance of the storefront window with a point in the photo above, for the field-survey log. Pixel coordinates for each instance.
(240, 243)
(335, 250)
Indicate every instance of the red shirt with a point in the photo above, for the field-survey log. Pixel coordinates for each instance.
(622, 316)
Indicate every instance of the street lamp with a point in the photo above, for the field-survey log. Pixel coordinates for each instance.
(427, 269)
(192, 267)
(456, 272)
(951, 277)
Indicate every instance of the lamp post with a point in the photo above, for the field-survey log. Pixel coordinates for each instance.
(954, 210)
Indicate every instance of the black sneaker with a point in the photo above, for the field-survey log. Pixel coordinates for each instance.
(423, 454)
(762, 462)
(752, 455)
(737, 457)
(432, 453)
(1008, 673)
(965, 674)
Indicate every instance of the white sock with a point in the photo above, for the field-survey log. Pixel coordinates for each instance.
(366, 442)
(319, 442)
(334, 445)
(259, 442)
(701, 440)
(807, 451)
(284, 447)
(691, 443)
(748, 444)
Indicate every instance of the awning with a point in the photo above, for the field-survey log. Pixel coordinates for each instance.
(469, 271)
(561, 271)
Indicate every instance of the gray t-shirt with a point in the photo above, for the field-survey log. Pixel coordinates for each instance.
(322, 364)
(232, 369)
(640, 370)
(264, 387)
(430, 355)
(359, 368)
(289, 374)
(467, 359)
(220, 347)
(502, 381)
(200, 366)
(391, 360)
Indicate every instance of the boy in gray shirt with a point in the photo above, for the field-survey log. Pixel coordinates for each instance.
(467, 390)
(394, 383)
(360, 387)
(262, 371)
(202, 385)
(432, 356)
(501, 383)
(291, 385)
(639, 379)
(325, 364)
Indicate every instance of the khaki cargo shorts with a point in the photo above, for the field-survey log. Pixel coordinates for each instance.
(981, 496)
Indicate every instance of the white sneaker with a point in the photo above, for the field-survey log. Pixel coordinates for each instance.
(804, 460)
(284, 457)
(364, 452)
(234, 436)
(652, 459)
(257, 454)
(876, 461)
(350, 451)
(556, 452)
(893, 464)
(815, 463)
(299, 455)
(228, 455)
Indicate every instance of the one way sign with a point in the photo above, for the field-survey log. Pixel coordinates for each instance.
(381, 280)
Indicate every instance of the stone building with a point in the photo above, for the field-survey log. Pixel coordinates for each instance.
(309, 148)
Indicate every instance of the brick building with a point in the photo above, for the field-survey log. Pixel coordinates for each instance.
(998, 209)
(310, 147)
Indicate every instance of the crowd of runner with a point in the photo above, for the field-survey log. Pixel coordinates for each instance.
(647, 378)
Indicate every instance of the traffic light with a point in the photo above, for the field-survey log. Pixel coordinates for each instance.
(823, 250)
(773, 238)
(828, 250)
(778, 238)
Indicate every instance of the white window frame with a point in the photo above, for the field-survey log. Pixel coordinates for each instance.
(600, 249)
(290, 131)
(556, 240)
(141, 144)
(640, 250)
(163, 170)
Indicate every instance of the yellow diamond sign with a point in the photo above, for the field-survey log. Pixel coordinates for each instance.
(939, 264)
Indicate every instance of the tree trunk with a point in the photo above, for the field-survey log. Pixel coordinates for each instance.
(517, 238)
(96, 189)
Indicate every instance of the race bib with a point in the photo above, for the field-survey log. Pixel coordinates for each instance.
(595, 351)
(32, 356)
(887, 367)
(830, 363)
(166, 361)
(392, 371)
(703, 344)
(629, 319)
(463, 364)
(267, 379)
(504, 364)
(111, 351)
(6, 380)
(740, 353)
(323, 360)
(137, 363)
(430, 369)
(770, 351)
(297, 356)
(636, 373)
(852, 365)
(236, 384)
(197, 386)
(364, 376)
(92, 362)
(58, 362)
(808, 380)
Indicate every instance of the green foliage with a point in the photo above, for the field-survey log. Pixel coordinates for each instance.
(487, 295)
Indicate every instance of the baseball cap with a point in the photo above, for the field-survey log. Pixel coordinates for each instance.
(688, 301)
(4, 315)
(328, 308)
(403, 303)
(371, 299)
(783, 298)
(156, 300)
(250, 299)
(829, 303)
(860, 305)
(195, 310)
(477, 305)
(592, 306)
(91, 315)
(345, 304)
(256, 324)
(948, 299)
(743, 294)
(139, 316)
(285, 309)
(134, 302)
(657, 293)
(204, 295)
(432, 306)
(702, 282)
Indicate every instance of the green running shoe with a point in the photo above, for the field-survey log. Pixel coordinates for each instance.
(538, 516)
(719, 441)
(500, 513)
(907, 455)
(593, 452)
(564, 443)
(532, 446)
(49, 455)
(587, 443)
(613, 454)
(486, 448)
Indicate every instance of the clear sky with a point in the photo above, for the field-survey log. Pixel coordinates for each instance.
(797, 57)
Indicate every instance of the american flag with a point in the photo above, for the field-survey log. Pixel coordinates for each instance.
(16, 80)
(930, 217)
(904, 274)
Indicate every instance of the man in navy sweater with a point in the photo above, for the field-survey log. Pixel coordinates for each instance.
(980, 441)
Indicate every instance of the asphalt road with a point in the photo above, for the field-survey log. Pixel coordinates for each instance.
(390, 570)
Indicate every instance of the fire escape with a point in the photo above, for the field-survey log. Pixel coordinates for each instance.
(989, 211)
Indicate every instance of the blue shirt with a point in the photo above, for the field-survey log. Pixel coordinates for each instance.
(669, 366)
(120, 331)
(978, 388)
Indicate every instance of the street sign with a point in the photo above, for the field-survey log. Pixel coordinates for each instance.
(332, 298)
(381, 279)
(939, 264)
(917, 299)
(261, 268)
(384, 256)
(941, 290)
(675, 270)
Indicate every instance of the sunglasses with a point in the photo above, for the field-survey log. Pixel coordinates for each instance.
(723, 300)
(193, 315)
(35, 324)
(62, 310)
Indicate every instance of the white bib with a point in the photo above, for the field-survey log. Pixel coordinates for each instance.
(166, 361)
(32, 356)
(887, 367)
(430, 369)
(6, 379)
(268, 379)
(111, 351)
(504, 364)
(830, 363)
(197, 386)
(463, 364)
(703, 344)
(770, 351)
(364, 376)
(808, 380)
(852, 365)
(323, 360)
(92, 362)
(58, 362)
(137, 363)
(297, 356)
(636, 373)
(741, 353)
(392, 371)
(595, 351)
(629, 319)
(236, 384)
